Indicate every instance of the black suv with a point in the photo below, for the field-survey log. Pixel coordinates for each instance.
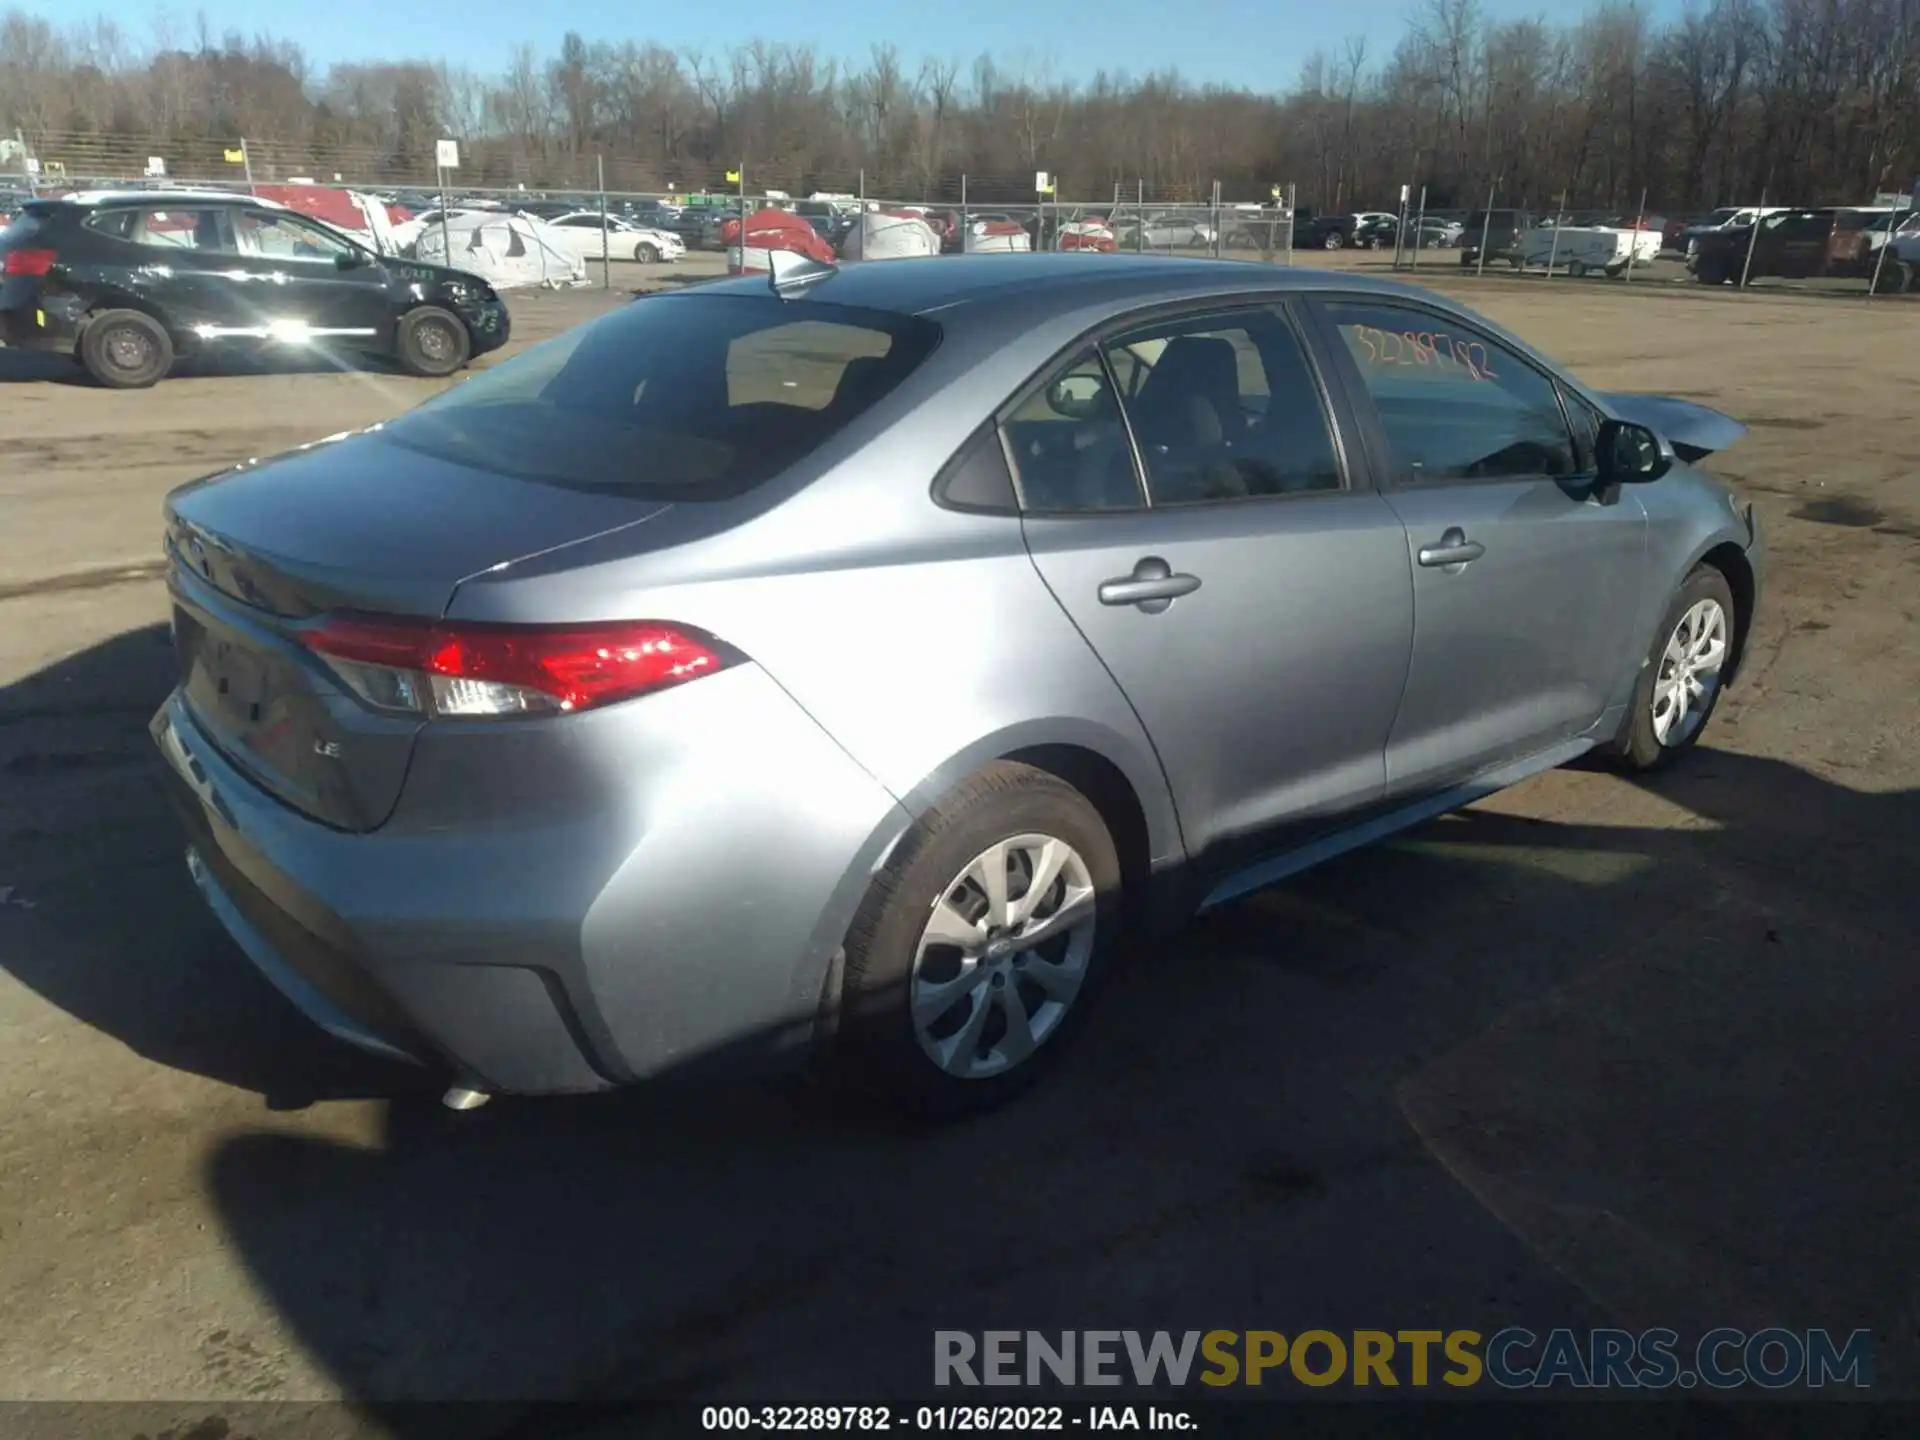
(126, 281)
(1500, 231)
(1323, 232)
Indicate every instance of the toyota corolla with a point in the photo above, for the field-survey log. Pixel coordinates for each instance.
(839, 663)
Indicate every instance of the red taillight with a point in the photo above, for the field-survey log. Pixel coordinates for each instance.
(481, 670)
(28, 262)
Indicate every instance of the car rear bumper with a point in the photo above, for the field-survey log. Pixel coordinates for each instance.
(690, 926)
(51, 324)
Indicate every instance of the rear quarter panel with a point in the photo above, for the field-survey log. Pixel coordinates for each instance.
(921, 638)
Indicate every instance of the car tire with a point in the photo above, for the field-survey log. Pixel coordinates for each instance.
(1333, 241)
(1700, 618)
(896, 1043)
(1577, 269)
(432, 343)
(646, 254)
(125, 349)
(1894, 279)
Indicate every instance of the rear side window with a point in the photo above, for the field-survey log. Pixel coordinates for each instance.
(117, 223)
(180, 230)
(685, 397)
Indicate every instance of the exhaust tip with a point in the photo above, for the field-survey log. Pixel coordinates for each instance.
(459, 1097)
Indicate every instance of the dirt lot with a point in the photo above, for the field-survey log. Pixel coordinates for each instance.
(1592, 1051)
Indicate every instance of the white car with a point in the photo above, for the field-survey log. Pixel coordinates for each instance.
(1164, 231)
(580, 232)
(1580, 249)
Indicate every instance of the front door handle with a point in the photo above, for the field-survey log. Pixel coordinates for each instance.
(1454, 549)
(1153, 586)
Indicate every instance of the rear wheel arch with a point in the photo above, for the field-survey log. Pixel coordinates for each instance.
(1107, 788)
(121, 300)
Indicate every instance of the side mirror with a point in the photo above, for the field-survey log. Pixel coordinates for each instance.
(350, 260)
(1629, 454)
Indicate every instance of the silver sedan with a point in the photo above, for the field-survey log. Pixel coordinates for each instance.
(839, 663)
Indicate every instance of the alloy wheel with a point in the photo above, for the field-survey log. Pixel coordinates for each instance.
(1003, 956)
(1689, 675)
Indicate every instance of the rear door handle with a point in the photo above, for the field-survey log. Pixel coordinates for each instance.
(1454, 549)
(1153, 586)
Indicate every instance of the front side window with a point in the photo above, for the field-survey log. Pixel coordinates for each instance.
(1585, 422)
(680, 397)
(1454, 404)
(283, 237)
(1069, 445)
(1224, 408)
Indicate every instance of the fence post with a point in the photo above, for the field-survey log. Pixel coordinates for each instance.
(1638, 221)
(1400, 225)
(1752, 236)
(1419, 227)
(1559, 219)
(606, 241)
(246, 165)
(963, 212)
(1486, 226)
(863, 191)
(26, 168)
(1140, 215)
(1217, 248)
(1293, 202)
(446, 238)
(1879, 263)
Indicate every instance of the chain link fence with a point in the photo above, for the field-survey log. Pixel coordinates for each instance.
(1508, 234)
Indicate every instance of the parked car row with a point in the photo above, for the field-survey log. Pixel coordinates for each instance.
(1830, 242)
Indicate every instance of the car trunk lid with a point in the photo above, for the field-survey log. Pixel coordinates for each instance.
(258, 554)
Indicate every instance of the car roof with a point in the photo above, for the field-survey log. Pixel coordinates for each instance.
(105, 198)
(1047, 284)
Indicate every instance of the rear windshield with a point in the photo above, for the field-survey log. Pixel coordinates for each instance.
(676, 397)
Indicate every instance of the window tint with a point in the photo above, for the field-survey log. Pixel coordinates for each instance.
(1069, 445)
(181, 230)
(678, 396)
(282, 237)
(1454, 404)
(117, 223)
(1224, 408)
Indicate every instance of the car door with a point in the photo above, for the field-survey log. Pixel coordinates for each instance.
(305, 280)
(581, 234)
(1800, 244)
(186, 268)
(1526, 573)
(1187, 498)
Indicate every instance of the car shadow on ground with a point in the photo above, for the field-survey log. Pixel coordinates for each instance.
(89, 826)
(1501, 1071)
(22, 367)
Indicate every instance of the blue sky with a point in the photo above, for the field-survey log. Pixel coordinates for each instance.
(1256, 43)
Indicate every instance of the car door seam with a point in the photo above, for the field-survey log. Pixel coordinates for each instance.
(1173, 800)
